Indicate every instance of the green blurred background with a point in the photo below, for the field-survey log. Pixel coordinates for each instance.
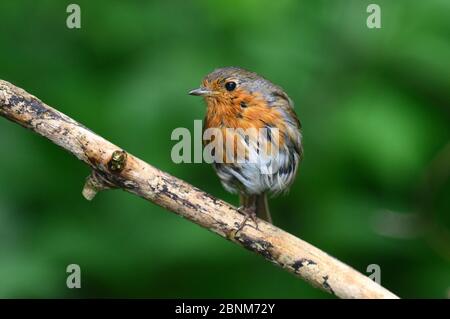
(374, 103)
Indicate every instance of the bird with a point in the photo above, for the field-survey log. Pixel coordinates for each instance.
(240, 101)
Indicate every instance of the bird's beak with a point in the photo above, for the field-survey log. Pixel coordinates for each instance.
(201, 91)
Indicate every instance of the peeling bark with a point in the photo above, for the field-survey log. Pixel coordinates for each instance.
(113, 167)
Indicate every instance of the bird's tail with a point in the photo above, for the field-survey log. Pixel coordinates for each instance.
(259, 204)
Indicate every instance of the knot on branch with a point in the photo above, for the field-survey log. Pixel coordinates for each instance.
(96, 182)
(118, 161)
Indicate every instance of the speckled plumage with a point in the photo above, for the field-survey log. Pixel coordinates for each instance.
(259, 104)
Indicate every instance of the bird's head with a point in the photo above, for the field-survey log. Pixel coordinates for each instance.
(239, 88)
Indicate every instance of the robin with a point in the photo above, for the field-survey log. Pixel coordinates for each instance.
(238, 100)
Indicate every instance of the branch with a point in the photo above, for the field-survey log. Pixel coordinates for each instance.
(112, 167)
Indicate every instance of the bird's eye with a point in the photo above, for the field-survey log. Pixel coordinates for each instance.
(230, 86)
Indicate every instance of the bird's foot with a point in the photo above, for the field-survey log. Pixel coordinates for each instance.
(249, 213)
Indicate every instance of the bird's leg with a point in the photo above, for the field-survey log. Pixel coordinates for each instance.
(248, 208)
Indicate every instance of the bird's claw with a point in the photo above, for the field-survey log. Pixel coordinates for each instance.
(249, 214)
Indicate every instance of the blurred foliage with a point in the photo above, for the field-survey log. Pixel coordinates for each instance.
(374, 106)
